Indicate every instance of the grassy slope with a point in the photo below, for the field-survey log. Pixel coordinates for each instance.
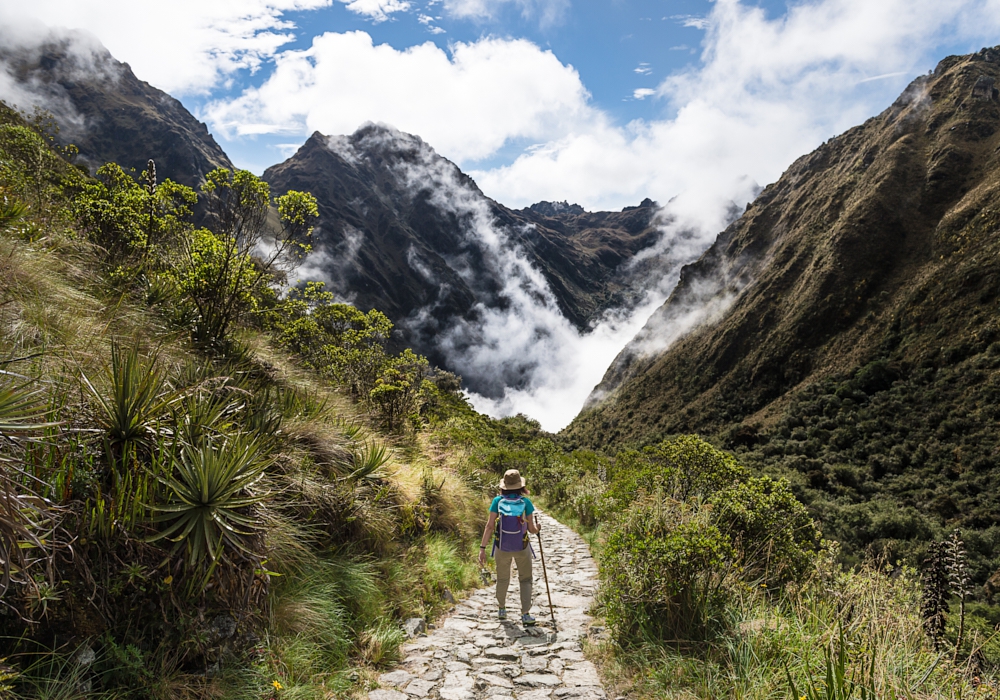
(350, 558)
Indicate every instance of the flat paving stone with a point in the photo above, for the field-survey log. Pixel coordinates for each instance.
(502, 653)
(496, 680)
(419, 688)
(396, 678)
(386, 695)
(534, 663)
(537, 679)
(539, 694)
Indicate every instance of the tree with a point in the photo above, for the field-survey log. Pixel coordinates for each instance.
(226, 268)
(394, 394)
(133, 222)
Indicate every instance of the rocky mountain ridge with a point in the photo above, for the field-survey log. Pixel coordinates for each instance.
(106, 111)
(826, 262)
(403, 230)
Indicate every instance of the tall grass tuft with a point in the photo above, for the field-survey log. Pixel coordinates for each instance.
(446, 567)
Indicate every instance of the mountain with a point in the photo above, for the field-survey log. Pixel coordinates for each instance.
(403, 230)
(843, 331)
(879, 235)
(106, 111)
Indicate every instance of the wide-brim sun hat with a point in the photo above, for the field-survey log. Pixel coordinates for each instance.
(512, 480)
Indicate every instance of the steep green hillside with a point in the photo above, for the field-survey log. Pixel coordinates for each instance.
(187, 509)
(853, 342)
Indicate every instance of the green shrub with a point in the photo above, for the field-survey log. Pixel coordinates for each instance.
(685, 522)
(133, 223)
(664, 569)
(771, 533)
(683, 467)
(584, 499)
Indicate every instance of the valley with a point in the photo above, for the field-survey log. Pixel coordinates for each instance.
(241, 451)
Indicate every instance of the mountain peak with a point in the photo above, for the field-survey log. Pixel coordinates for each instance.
(556, 208)
(106, 111)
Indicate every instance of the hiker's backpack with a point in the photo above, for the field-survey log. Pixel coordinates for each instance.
(512, 525)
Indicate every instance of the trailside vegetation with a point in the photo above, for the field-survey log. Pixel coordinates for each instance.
(716, 582)
(207, 488)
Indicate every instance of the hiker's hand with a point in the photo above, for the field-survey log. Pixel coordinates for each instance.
(482, 557)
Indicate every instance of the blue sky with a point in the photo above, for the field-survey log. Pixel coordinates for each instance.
(538, 99)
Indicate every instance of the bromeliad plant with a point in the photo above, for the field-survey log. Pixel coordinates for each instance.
(210, 499)
(138, 396)
(22, 406)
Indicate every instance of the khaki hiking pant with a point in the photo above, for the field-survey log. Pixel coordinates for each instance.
(523, 561)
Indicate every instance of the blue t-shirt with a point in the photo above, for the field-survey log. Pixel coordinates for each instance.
(529, 507)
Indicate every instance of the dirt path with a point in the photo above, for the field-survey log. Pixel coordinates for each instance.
(474, 656)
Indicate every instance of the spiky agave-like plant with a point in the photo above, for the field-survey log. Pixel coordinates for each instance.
(368, 459)
(23, 405)
(11, 211)
(138, 396)
(957, 567)
(210, 498)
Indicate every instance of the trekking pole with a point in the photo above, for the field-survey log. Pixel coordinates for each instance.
(546, 575)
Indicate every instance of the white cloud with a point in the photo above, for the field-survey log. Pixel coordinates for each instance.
(428, 22)
(182, 46)
(467, 104)
(643, 69)
(765, 92)
(376, 10)
(548, 12)
(693, 21)
(643, 93)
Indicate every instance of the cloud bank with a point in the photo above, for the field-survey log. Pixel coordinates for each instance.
(468, 103)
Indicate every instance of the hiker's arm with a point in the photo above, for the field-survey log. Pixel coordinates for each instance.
(487, 537)
(534, 527)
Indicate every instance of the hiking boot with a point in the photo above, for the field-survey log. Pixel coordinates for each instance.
(502, 614)
(527, 620)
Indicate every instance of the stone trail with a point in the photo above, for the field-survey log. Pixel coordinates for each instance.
(474, 656)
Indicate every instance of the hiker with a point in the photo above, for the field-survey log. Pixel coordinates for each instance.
(510, 541)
